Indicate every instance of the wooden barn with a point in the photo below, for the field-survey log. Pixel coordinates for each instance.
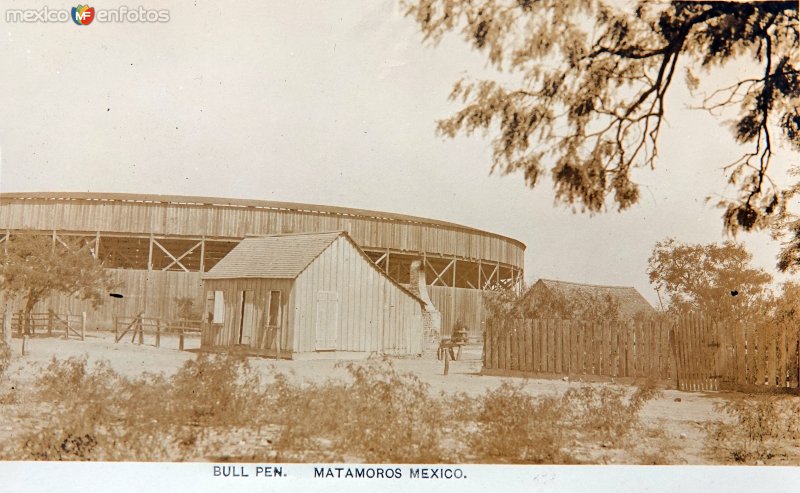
(299, 294)
(630, 302)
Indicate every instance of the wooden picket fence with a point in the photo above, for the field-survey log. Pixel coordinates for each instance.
(578, 348)
(766, 355)
(695, 352)
(695, 343)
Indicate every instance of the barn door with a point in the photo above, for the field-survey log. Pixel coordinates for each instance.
(272, 322)
(248, 330)
(327, 320)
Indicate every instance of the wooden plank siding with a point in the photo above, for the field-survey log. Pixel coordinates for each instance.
(374, 313)
(152, 293)
(226, 218)
(228, 334)
(697, 353)
(220, 220)
(468, 306)
(568, 347)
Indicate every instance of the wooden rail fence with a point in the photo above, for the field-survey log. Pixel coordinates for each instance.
(139, 325)
(49, 323)
(696, 352)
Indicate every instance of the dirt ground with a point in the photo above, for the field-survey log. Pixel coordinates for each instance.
(675, 419)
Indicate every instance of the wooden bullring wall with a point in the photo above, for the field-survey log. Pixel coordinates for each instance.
(460, 303)
(153, 293)
(230, 218)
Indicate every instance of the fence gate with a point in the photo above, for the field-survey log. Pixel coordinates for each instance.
(698, 356)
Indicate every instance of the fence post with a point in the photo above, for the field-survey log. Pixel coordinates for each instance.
(158, 332)
(116, 329)
(50, 321)
(7, 315)
(483, 354)
(797, 352)
(83, 326)
(140, 326)
(446, 361)
(180, 341)
(673, 344)
(24, 344)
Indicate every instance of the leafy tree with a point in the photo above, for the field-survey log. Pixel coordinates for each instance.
(787, 305)
(34, 267)
(716, 279)
(582, 89)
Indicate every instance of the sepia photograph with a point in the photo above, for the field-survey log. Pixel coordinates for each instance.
(405, 244)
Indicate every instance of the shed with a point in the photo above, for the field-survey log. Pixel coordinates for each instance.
(631, 302)
(295, 294)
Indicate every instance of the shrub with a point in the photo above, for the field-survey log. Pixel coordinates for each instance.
(383, 415)
(83, 402)
(218, 407)
(220, 390)
(606, 414)
(187, 310)
(393, 417)
(514, 427)
(758, 429)
(96, 414)
(5, 357)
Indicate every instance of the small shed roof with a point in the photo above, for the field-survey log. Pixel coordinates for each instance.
(282, 256)
(630, 300)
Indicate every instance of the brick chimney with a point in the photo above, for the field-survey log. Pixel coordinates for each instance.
(431, 317)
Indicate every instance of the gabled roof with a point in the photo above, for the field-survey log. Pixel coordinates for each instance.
(630, 300)
(282, 256)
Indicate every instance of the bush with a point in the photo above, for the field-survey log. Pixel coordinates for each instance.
(96, 414)
(759, 428)
(218, 390)
(515, 428)
(606, 414)
(5, 357)
(381, 416)
(218, 407)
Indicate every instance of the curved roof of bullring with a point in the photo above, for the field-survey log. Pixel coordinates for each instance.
(259, 204)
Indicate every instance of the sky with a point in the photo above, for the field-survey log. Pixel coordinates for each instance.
(331, 103)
